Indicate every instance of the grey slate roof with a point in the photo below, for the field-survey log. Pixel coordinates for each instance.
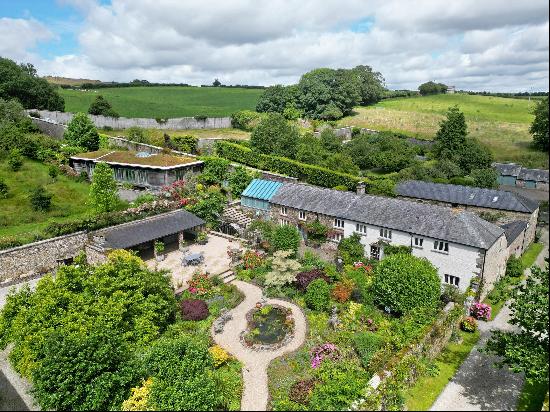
(467, 195)
(537, 175)
(513, 229)
(134, 233)
(507, 169)
(437, 222)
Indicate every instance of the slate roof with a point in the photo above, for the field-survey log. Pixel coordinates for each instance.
(261, 189)
(467, 195)
(538, 175)
(134, 233)
(507, 169)
(513, 229)
(437, 222)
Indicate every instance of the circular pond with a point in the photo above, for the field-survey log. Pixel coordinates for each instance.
(269, 327)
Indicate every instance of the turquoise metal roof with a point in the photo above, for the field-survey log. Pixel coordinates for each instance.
(261, 189)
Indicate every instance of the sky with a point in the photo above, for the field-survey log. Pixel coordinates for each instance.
(491, 45)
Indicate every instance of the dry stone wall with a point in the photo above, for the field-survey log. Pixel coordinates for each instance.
(180, 123)
(49, 127)
(39, 257)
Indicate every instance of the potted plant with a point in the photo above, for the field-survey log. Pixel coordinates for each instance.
(159, 250)
(182, 244)
(202, 238)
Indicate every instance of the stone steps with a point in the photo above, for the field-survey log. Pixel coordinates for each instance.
(227, 276)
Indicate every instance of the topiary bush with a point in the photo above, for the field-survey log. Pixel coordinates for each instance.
(286, 238)
(303, 279)
(366, 344)
(404, 282)
(318, 295)
(194, 309)
(514, 268)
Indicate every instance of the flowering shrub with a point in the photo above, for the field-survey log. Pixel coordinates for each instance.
(193, 309)
(200, 284)
(469, 324)
(301, 391)
(303, 279)
(178, 191)
(252, 259)
(341, 292)
(139, 399)
(322, 352)
(219, 355)
(362, 266)
(480, 311)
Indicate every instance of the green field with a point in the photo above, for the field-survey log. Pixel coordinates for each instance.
(16, 215)
(156, 136)
(500, 123)
(166, 102)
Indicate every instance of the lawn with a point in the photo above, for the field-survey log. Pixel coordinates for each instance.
(500, 123)
(157, 135)
(17, 217)
(426, 390)
(532, 396)
(530, 255)
(166, 102)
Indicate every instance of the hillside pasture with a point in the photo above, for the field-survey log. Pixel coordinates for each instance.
(500, 123)
(166, 101)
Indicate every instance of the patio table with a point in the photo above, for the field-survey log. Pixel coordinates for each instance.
(192, 259)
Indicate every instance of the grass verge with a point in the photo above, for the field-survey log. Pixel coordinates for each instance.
(532, 396)
(530, 255)
(426, 390)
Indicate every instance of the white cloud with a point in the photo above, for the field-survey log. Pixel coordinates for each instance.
(471, 44)
(19, 36)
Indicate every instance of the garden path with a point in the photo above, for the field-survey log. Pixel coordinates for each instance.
(255, 393)
(478, 385)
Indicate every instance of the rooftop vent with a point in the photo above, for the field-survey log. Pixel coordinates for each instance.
(472, 196)
(495, 199)
(143, 154)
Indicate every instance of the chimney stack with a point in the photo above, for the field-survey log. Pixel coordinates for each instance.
(361, 187)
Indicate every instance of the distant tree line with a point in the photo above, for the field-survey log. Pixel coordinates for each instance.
(133, 83)
(502, 94)
(21, 82)
(325, 94)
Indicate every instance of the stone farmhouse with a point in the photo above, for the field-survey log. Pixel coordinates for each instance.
(516, 214)
(512, 174)
(142, 169)
(458, 242)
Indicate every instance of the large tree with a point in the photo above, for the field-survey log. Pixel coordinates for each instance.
(371, 84)
(539, 127)
(276, 136)
(451, 136)
(82, 132)
(526, 350)
(21, 82)
(277, 98)
(432, 88)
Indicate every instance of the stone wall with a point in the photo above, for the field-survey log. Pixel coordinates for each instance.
(494, 266)
(50, 128)
(180, 123)
(39, 257)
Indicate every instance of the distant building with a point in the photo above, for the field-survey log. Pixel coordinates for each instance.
(139, 168)
(512, 174)
(451, 89)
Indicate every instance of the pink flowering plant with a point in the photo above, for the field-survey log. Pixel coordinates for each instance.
(178, 191)
(200, 284)
(322, 352)
(480, 311)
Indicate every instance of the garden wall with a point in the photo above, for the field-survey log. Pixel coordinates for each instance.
(39, 257)
(49, 127)
(180, 123)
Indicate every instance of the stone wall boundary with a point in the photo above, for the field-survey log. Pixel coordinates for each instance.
(177, 123)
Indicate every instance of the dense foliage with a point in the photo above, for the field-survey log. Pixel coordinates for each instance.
(526, 350)
(21, 82)
(100, 106)
(539, 127)
(404, 282)
(303, 279)
(274, 135)
(351, 249)
(193, 309)
(88, 319)
(81, 132)
(103, 190)
(317, 295)
(430, 87)
(40, 199)
(285, 237)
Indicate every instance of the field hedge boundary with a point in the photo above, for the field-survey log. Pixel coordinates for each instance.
(315, 175)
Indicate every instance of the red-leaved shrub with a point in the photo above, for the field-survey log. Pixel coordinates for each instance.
(303, 279)
(194, 309)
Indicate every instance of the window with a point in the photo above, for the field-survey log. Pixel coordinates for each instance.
(284, 210)
(418, 241)
(452, 280)
(375, 252)
(302, 215)
(385, 233)
(336, 237)
(339, 223)
(441, 246)
(361, 229)
(283, 222)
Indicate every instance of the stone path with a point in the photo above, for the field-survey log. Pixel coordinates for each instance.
(478, 385)
(256, 393)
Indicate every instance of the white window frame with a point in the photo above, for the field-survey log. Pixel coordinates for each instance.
(284, 210)
(385, 233)
(337, 237)
(302, 215)
(441, 246)
(451, 280)
(361, 229)
(283, 222)
(338, 223)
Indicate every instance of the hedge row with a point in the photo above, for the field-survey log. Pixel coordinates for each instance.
(315, 175)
